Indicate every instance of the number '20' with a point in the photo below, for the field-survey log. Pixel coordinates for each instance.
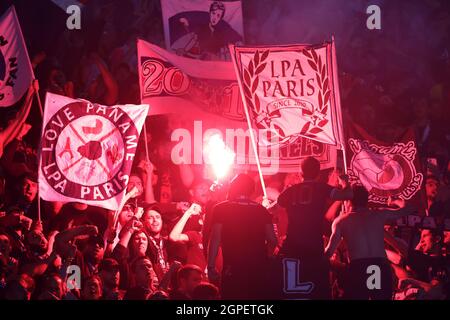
(158, 78)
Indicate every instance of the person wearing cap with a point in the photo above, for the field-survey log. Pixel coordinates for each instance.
(77, 214)
(109, 272)
(92, 255)
(70, 254)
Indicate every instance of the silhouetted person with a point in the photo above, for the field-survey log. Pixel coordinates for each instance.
(306, 205)
(241, 227)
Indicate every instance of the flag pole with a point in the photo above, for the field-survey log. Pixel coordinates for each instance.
(41, 110)
(339, 110)
(40, 160)
(15, 17)
(140, 97)
(145, 141)
(338, 102)
(247, 116)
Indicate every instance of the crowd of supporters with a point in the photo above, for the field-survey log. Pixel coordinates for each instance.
(160, 245)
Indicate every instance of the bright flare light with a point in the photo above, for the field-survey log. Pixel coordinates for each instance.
(219, 156)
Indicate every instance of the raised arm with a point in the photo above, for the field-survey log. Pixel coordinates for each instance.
(402, 209)
(335, 238)
(110, 237)
(127, 231)
(112, 90)
(15, 126)
(344, 192)
(63, 239)
(147, 175)
(333, 211)
(69, 234)
(177, 234)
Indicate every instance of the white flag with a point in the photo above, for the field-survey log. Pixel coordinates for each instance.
(87, 150)
(291, 90)
(16, 72)
(202, 29)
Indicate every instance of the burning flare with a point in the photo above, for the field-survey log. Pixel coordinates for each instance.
(219, 156)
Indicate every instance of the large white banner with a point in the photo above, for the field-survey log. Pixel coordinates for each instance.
(291, 90)
(16, 72)
(87, 150)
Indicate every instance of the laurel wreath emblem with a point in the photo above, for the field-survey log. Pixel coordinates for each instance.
(251, 81)
(317, 115)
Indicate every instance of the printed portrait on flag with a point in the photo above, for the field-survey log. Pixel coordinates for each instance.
(291, 90)
(87, 150)
(385, 169)
(15, 67)
(201, 96)
(202, 29)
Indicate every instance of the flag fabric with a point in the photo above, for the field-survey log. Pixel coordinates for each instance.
(16, 72)
(202, 29)
(64, 4)
(385, 169)
(203, 97)
(291, 90)
(87, 150)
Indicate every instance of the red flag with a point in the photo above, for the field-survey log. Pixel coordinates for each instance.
(385, 169)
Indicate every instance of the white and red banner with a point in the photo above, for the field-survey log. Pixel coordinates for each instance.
(87, 150)
(16, 72)
(202, 29)
(292, 91)
(385, 169)
(203, 97)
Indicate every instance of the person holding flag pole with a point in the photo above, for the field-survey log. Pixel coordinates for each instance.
(19, 76)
